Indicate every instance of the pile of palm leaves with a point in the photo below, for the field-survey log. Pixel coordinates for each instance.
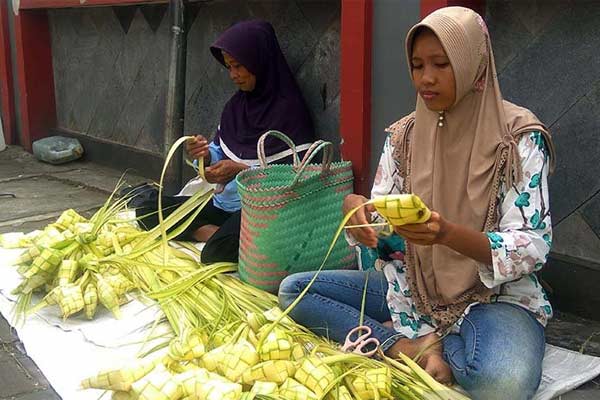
(230, 340)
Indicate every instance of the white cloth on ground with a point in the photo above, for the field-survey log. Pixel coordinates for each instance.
(68, 351)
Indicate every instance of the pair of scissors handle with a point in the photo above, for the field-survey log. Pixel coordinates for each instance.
(358, 345)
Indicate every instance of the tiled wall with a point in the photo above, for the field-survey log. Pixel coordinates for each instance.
(110, 65)
(548, 59)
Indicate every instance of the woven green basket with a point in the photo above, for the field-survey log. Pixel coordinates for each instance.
(290, 214)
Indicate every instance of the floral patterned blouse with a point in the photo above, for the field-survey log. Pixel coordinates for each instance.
(519, 247)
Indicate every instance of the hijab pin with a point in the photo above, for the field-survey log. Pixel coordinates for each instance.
(441, 118)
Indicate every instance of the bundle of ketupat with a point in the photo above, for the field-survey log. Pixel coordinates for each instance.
(231, 341)
(79, 263)
(198, 367)
(62, 261)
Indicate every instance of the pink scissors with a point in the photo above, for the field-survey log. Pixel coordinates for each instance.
(362, 340)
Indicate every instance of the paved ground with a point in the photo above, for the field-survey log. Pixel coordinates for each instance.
(42, 191)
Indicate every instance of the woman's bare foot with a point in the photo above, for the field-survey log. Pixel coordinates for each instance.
(432, 361)
(428, 349)
(409, 347)
(439, 369)
(204, 233)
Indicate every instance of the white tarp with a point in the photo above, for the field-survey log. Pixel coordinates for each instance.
(68, 351)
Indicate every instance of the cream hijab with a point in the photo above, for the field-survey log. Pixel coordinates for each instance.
(457, 168)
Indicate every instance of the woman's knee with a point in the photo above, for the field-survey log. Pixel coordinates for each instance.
(515, 383)
(290, 288)
(498, 354)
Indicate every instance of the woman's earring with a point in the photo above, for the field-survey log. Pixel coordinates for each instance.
(441, 118)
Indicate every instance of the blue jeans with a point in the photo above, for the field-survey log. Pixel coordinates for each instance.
(331, 307)
(497, 354)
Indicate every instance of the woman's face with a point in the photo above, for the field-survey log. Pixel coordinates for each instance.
(243, 79)
(432, 72)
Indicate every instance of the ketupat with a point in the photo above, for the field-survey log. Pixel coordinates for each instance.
(237, 359)
(276, 346)
(122, 396)
(51, 236)
(339, 393)
(107, 295)
(67, 271)
(120, 379)
(189, 380)
(87, 244)
(187, 347)
(201, 384)
(119, 282)
(276, 371)
(90, 300)
(291, 389)
(264, 388)
(256, 321)
(219, 390)
(212, 359)
(401, 209)
(159, 384)
(315, 374)
(70, 299)
(48, 260)
(28, 255)
(68, 219)
(371, 380)
(195, 343)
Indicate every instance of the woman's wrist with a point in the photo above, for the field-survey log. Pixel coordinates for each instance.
(464, 240)
(447, 229)
(242, 167)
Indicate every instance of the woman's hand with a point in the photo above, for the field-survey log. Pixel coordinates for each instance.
(197, 147)
(365, 235)
(428, 233)
(460, 238)
(223, 171)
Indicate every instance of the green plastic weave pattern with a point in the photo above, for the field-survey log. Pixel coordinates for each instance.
(289, 216)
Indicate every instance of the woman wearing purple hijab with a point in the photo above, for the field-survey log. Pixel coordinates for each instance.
(268, 98)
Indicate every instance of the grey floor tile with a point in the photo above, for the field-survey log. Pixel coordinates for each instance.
(13, 380)
(7, 333)
(39, 395)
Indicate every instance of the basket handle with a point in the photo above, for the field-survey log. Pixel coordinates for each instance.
(311, 153)
(260, 147)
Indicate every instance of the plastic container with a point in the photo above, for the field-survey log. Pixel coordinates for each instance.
(57, 149)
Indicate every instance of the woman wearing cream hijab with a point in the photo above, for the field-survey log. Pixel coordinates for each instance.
(461, 288)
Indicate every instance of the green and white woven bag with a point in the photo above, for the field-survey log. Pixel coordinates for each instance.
(290, 214)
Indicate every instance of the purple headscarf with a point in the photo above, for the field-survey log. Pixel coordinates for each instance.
(276, 101)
